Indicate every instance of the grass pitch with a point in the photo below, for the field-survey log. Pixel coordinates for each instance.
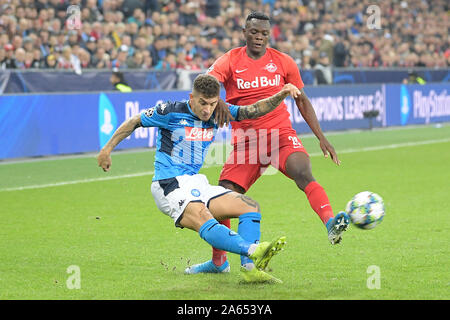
(66, 212)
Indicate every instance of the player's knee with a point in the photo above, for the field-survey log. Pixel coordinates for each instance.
(195, 215)
(203, 214)
(302, 175)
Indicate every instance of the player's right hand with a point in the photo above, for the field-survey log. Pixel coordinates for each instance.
(292, 90)
(104, 160)
(222, 114)
(328, 149)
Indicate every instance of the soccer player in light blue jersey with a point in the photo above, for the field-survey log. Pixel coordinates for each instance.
(185, 131)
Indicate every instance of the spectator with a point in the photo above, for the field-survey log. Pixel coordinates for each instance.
(44, 44)
(19, 58)
(121, 61)
(323, 71)
(2, 58)
(306, 60)
(28, 44)
(38, 62)
(148, 62)
(69, 61)
(8, 62)
(212, 8)
(157, 50)
(28, 62)
(129, 7)
(169, 63)
(340, 54)
(91, 45)
(151, 6)
(188, 14)
(118, 81)
(85, 58)
(138, 17)
(72, 38)
(50, 62)
(413, 78)
(94, 12)
(412, 34)
(136, 61)
(101, 59)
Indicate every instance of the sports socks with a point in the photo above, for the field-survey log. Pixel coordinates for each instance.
(250, 230)
(221, 237)
(319, 202)
(219, 256)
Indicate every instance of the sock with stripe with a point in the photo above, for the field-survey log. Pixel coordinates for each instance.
(250, 230)
(319, 202)
(222, 238)
(219, 256)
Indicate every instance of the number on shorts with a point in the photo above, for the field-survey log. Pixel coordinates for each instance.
(295, 142)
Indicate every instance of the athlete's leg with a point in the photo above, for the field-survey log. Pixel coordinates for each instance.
(238, 178)
(298, 168)
(197, 217)
(232, 186)
(236, 205)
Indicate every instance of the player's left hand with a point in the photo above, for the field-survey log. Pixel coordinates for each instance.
(222, 114)
(328, 149)
(292, 90)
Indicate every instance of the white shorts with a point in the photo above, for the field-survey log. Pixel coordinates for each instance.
(174, 194)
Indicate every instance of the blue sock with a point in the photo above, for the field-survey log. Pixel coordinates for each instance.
(329, 223)
(249, 229)
(220, 237)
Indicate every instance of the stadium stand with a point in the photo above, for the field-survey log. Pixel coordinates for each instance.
(190, 35)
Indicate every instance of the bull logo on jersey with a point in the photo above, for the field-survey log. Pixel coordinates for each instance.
(198, 134)
(271, 67)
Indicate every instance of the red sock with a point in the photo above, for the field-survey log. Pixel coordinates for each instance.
(219, 256)
(319, 202)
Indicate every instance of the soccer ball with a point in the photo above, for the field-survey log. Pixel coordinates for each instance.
(366, 210)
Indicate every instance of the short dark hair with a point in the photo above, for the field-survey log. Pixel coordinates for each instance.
(258, 16)
(119, 75)
(207, 85)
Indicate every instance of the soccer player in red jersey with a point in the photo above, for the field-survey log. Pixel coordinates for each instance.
(248, 74)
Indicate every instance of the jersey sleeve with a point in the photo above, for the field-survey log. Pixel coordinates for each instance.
(293, 73)
(155, 116)
(234, 110)
(221, 68)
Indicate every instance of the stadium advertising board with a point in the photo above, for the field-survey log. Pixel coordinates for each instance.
(53, 124)
(418, 104)
(341, 107)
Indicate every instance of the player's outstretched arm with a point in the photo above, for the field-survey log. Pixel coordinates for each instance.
(264, 106)
(125, 129)
(307, 111)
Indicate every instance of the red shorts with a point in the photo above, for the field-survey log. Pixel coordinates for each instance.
(251, 156)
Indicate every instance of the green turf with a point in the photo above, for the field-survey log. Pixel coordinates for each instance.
(126, 249)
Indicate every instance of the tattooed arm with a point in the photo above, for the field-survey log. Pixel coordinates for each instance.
(264, 106)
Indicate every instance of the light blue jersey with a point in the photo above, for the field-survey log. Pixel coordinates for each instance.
(183, 139)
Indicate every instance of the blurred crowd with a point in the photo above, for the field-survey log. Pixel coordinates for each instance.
(190, 35)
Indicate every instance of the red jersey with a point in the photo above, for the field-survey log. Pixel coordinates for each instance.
(247, 81)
